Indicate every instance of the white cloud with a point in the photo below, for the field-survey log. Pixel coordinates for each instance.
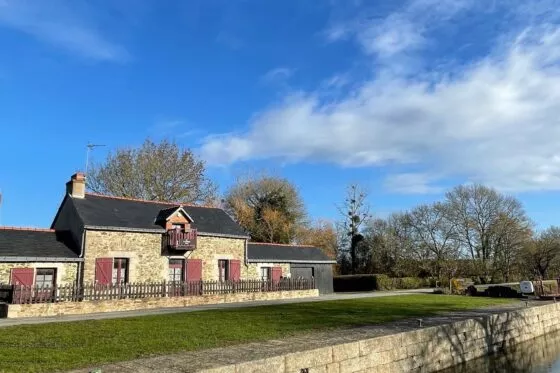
(495, 121)
(278, 74)
(62, 24)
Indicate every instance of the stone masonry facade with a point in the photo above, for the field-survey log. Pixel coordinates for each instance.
(66, 273)
(147, 262)
(143, 250)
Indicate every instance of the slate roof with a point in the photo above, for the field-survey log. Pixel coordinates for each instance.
(34, 243)
(262, 252)
(103, 211)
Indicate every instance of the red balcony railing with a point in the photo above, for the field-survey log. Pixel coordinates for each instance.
(181, 240)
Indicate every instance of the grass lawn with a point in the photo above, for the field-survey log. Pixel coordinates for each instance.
(62, 346)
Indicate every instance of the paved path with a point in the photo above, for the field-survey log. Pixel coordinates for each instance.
(161, 311)
(190, 362)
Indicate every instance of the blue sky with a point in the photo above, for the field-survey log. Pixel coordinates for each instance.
(406, 97)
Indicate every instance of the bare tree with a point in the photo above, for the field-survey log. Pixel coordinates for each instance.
(543, 251)
(475, 211)
(268, 207)
(433, 236)
(156, 172)
(355, 211)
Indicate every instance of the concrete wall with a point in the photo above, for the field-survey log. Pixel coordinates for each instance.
(65, 272)
(79, 308)
(423, 350)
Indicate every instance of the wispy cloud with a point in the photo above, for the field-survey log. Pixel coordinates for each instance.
(400, 32)
(493, 119)
(278, 74)
(230, 40)
(64, 24)
(412, 183)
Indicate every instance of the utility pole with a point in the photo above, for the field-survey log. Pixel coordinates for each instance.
(1, 207)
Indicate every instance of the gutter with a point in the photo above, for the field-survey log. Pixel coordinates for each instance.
(157, 230)
(124, 229)
(222, 235)
(38, 259)
(291, 261)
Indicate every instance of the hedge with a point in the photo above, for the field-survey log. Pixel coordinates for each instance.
(349, 283)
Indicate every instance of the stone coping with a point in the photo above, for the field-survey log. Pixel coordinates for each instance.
(219, 360)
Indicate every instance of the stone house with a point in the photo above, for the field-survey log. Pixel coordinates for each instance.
(102, 240)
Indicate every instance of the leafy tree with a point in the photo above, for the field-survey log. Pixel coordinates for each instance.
(321, 234)
(269, 208)
(154, 171)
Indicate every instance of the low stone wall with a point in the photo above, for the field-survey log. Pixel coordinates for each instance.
(78, 308)
(423, 350)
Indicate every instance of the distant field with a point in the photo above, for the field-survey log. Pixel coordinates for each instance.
(62, 346)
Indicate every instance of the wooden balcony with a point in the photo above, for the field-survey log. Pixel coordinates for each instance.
(180, 240)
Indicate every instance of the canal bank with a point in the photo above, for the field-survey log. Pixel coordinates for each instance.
(400, 346)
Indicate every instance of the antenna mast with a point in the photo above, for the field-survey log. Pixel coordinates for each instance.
(90, 147)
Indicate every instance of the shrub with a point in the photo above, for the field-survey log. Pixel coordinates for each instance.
(407, 283)
(384, 282)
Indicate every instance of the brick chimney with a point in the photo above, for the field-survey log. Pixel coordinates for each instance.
(76, 187)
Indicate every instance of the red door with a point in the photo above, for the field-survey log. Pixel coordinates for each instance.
(193, 276)
(276, 276)
(22, 278)
(103, 271)
(234, 270)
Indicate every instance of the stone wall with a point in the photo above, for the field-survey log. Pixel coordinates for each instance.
(79, 308)
(147, 260)
(423, 350)
(254, 269)
(212, 249)
(65, 272)
(144, 251)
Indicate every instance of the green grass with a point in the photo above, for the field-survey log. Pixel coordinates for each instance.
(62, 346)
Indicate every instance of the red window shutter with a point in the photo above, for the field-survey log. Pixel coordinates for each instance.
(234, 270)
(22, 276)
(103, 271)
(194, 269)
(276, 273)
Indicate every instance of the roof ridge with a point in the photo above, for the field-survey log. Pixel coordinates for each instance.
(28, 229)
(178, 204)
(281, 244)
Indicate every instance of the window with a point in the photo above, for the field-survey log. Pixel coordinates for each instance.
(223, 269)
(45, 277)
(120, 271)
(178, 227)
(265, 273)
(176, 270)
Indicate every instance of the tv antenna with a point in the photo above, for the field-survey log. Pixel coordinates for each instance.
(90, 147)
